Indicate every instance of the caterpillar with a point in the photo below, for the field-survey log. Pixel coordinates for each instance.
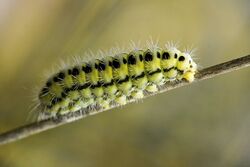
(114, 79)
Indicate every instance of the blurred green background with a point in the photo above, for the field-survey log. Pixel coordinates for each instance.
(204, 124)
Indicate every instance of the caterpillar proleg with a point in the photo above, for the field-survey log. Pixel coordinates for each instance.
(113, 79)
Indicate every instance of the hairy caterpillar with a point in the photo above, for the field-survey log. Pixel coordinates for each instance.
(114, 79)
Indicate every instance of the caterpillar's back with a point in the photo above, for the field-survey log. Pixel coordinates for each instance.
(100, 83)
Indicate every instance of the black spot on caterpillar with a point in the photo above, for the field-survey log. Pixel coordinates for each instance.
(114, 79)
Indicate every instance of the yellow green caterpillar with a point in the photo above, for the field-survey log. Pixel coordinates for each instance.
(114, 79)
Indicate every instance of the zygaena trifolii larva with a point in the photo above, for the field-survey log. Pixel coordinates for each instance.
(114, 79)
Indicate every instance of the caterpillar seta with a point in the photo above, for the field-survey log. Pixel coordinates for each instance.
(114, 79)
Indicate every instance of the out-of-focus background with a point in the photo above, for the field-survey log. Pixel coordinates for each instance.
(204, 124)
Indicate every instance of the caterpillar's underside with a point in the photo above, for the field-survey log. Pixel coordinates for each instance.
(114, 79)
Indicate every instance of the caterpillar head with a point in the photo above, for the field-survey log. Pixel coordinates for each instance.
(186, 63)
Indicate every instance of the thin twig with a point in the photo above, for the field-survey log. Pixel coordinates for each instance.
(37, 127)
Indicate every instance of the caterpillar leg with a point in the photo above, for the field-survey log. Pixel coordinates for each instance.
(121, 100)
(189, 76)
(152, 88)
(137, 94)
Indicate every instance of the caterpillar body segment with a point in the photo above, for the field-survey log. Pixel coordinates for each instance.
(114, 79)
